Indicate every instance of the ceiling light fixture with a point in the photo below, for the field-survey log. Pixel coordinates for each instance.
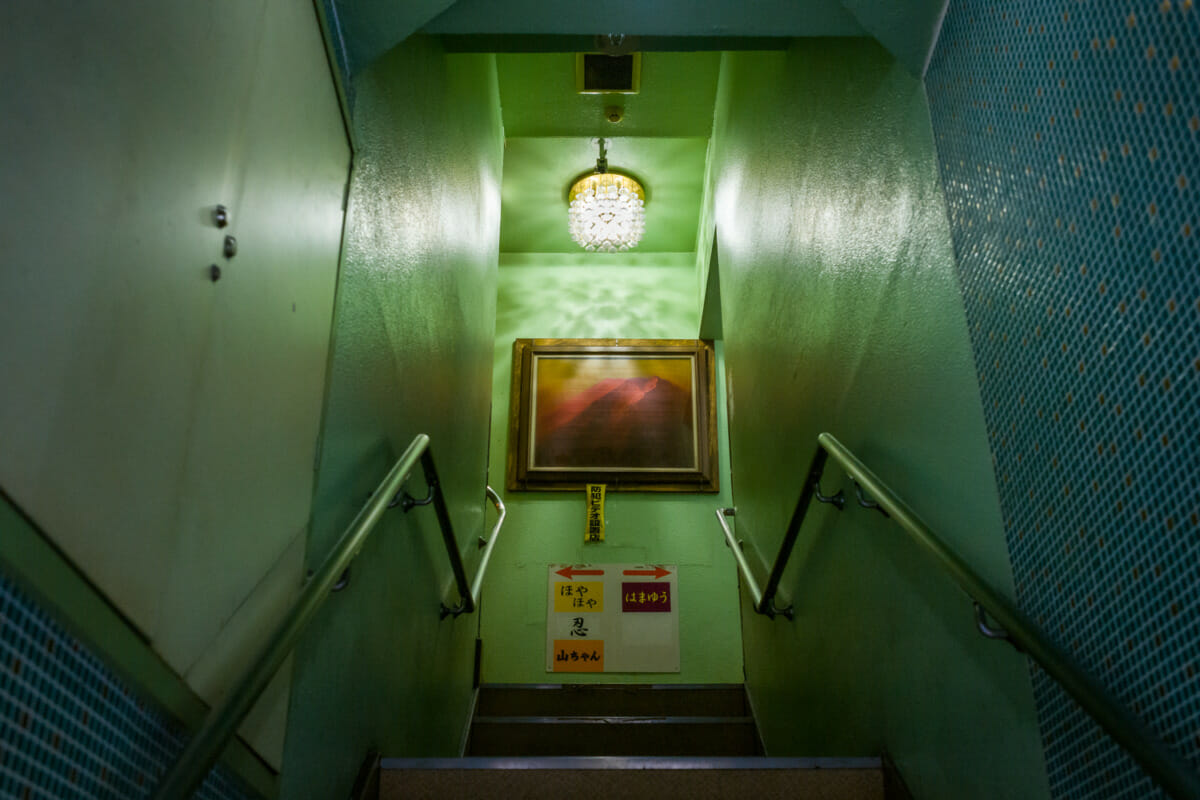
(607, 209)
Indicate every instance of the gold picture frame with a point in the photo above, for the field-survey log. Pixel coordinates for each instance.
(634, 414)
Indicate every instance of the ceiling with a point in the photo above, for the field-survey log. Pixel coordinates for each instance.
(550, 132)
(537, 96)
(663, 138)
(660, 18)
(363, 30)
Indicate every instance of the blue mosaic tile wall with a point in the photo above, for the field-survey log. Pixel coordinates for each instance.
(69, 728)
(1068, 135)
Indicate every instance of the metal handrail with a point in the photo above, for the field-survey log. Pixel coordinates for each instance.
(1160, 762)
(488, 544)
(468, 591)
(222, 721)
(737, 545)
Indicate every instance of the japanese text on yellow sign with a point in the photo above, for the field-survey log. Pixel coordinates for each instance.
(579, 596)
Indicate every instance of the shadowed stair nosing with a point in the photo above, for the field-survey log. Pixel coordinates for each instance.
(613, 719)
(617, 687)
(635, 700)
(631, 762)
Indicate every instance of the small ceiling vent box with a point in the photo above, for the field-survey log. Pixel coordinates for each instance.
(597, 73)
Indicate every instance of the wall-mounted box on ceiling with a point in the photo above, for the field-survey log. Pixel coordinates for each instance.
(597, 73)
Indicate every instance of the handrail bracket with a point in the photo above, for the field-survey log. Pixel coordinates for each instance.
(985, 627)
(865, 503)
(837, 499)
(456, 610)
(407, 502)
(789, 612)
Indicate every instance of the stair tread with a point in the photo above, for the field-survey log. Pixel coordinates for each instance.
(678, 720)
(641, 778)
(612, 699)
(624, 687)
(585, 738)
(661, 719)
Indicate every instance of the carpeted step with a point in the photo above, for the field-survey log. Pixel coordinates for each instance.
(645, 700)
(605, 778)
(612, 720)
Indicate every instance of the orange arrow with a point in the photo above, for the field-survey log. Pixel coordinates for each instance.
(571, 572)
(657, 572)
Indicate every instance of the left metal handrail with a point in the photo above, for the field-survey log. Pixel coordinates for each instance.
(222, 721)
(468, 591)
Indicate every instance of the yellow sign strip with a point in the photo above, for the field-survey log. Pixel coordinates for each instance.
(594, 532)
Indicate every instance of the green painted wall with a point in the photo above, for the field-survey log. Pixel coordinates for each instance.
(411, 354)
(841, 313)
(645, 296)
(160, 428)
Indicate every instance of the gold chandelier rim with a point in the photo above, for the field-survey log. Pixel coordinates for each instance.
(622, 177)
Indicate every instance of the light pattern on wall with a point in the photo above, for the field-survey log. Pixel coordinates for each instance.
(69, 727)
(1068, 136)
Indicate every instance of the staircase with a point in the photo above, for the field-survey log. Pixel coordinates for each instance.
(628, 720)
(621, 741)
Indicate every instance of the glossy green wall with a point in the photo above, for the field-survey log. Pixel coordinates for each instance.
(841, 313)
(411, 354)
(641, 296)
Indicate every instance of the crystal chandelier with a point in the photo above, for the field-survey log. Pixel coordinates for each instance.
(607, 211)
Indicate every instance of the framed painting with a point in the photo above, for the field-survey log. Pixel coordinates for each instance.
(635, 414)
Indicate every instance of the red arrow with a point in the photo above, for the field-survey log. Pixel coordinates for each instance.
(657, 572)
(571, 572)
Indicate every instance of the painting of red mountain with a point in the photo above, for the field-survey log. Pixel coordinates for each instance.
(614, 413)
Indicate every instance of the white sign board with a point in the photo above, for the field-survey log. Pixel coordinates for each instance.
(612, 618)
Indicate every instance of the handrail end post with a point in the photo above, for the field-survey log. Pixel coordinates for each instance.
(766, 606)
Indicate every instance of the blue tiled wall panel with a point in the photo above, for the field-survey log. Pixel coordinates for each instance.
(1068, 136)
(69, 728)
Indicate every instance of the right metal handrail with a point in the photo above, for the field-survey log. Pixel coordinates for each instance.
(488, 545)
(1160, 762)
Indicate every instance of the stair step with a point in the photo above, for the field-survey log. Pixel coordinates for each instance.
(613, 736)
(584, 778)
(670, 700)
